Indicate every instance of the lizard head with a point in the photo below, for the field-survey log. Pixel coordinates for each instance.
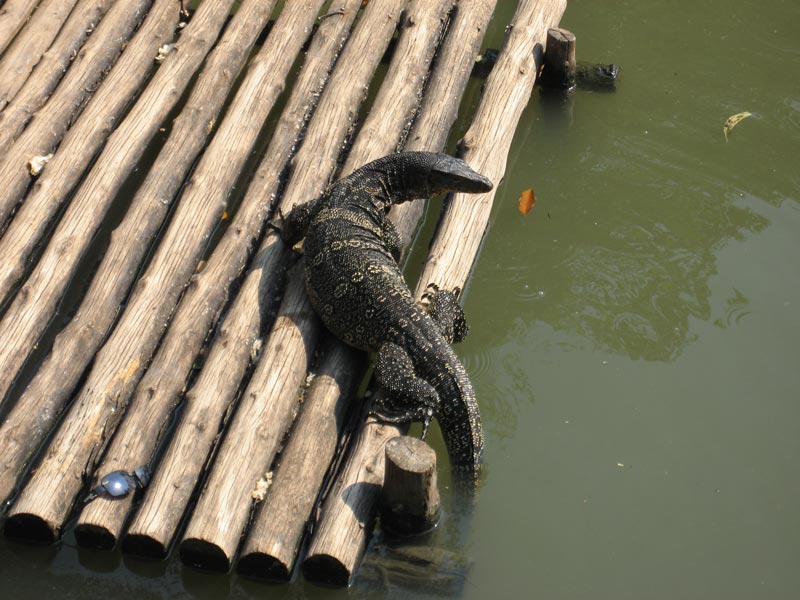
(449, 174)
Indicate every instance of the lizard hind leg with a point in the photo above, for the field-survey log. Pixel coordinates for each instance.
(405, 397)
(446, 312)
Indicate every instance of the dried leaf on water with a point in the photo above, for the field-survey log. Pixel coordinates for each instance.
(526, 201)
(733, 121)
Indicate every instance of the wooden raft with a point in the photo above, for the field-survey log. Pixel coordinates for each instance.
(192, 347)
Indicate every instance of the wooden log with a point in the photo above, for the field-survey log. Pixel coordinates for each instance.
(28, 46)
(60, 173)
(137, 438)
(251, 440)
(341, 537)
(46, 501)
(13, 16)
(36, 300)
(155, 524)
(559, 60)
(34, 413)
(273, 542)
(54, 64)
(216, 541)
(410, 501)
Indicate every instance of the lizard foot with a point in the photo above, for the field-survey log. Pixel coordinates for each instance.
(446, 312)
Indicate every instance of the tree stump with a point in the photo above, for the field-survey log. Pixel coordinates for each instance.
(410, 501)
(559, 60)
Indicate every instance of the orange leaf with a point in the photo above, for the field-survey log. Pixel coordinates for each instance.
(526, 201)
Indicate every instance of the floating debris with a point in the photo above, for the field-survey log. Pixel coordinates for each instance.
(733, 121)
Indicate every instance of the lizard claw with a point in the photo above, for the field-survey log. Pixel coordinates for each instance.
(426, 423)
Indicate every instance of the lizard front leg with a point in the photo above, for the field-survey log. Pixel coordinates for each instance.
(407, 397)
(446, 312)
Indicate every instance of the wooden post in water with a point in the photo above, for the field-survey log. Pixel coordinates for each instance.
(340, 539)
(559, 59)
(410, 500)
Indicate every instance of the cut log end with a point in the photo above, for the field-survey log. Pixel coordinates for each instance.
(559, 60)
(410, 502)
(137, 544)
(91, 535)
(324, 568)
(259, 565)
(31, 528)
(204, 555)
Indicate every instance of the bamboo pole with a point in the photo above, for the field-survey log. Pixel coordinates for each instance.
(44, 504)
(271, 549)
(13, 16)
(54, 64)
(100, 523)
(340, 540)
(155, 524)
(34, 413)
(29, 44)
(37, 298)
(274, 539)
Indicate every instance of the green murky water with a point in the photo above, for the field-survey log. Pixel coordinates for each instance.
(634, 339)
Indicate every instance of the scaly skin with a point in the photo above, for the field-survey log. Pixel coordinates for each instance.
(355, 285)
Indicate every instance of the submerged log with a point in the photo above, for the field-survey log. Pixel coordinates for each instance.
(28, 46)
(33, 415)
(82, 22)
(410, 499)
(154, 525)
(13, 17)
(340, 541)
(47, 499)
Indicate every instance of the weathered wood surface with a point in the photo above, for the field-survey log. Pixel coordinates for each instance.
(26, 50)
(273, 542)
(251, 439)
(44, 133)
(410, 502)
(559, 59)
(52, 67)
(160, 390)
(13, 16)
(54, 485)
(341, 538)
(35, 412)
(37, 298)
(81, 142)
(155, 524)
(208, 530)
(382, 132)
